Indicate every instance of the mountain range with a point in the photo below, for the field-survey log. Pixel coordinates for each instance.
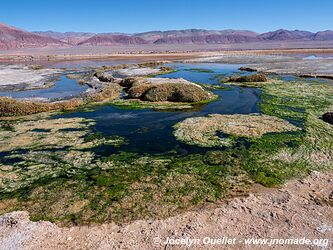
(13, 38)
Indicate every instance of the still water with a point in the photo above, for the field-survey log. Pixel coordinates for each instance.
(149, 131)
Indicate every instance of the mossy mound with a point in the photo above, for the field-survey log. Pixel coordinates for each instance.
(104, 76)
(248, 69)
(36, 67)
(249, 78)
(136, 92)
(108, 92)
(12, 107)
(164, 89)
(174, 92)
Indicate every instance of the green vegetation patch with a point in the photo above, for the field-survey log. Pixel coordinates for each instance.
(125, 187)
(202, 131)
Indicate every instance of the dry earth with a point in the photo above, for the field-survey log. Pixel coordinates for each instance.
(159, 52)
(301, 208)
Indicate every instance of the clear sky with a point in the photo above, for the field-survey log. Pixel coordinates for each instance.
(136, 16)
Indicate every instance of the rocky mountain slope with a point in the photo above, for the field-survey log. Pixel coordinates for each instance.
(113, 39)
(72, 38)
(324, 35)
(12, 38)
(198, 36)
(287, 35)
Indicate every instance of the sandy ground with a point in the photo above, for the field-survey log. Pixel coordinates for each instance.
(301, 208)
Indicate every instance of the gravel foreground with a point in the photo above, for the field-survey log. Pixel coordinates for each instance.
(300, 208)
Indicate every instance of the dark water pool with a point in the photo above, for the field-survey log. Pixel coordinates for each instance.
(149, 131)
(64, 88)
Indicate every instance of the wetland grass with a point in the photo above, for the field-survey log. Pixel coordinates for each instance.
(69, 184)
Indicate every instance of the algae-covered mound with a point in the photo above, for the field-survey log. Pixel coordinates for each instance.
(248, 69)
(107, 92)
(165, 89)
(41, 132)
(42, 146)
(104, 76)
(12, 107)
(249, 78)
(202, 131)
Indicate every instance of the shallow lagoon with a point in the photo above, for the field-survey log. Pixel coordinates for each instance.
(62, 89)
(149, 131)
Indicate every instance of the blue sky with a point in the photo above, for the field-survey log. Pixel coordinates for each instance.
(137, 16)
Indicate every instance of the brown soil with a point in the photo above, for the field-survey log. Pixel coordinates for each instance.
(161, 52)
(301, 208)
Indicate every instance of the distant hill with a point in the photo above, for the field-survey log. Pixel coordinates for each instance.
(287, 35)
(324, 35)
(11, 37)
(194, 36)
(112, 39)
(72, 38)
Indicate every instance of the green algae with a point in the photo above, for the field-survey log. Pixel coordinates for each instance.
(71, 185)
(203, 131)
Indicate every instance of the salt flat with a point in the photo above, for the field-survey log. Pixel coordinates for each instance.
(23, 75)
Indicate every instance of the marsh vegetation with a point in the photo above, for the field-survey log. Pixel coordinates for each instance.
(116, 163)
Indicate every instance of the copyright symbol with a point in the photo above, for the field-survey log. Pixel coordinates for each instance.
(157, 240)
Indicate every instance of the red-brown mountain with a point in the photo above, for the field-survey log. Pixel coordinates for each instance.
(113, 39)
(199, 36)
(12, 38)
(287, 35)
(324, 35)
(72, 38)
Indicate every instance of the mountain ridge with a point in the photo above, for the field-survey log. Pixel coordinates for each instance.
(13, 38)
